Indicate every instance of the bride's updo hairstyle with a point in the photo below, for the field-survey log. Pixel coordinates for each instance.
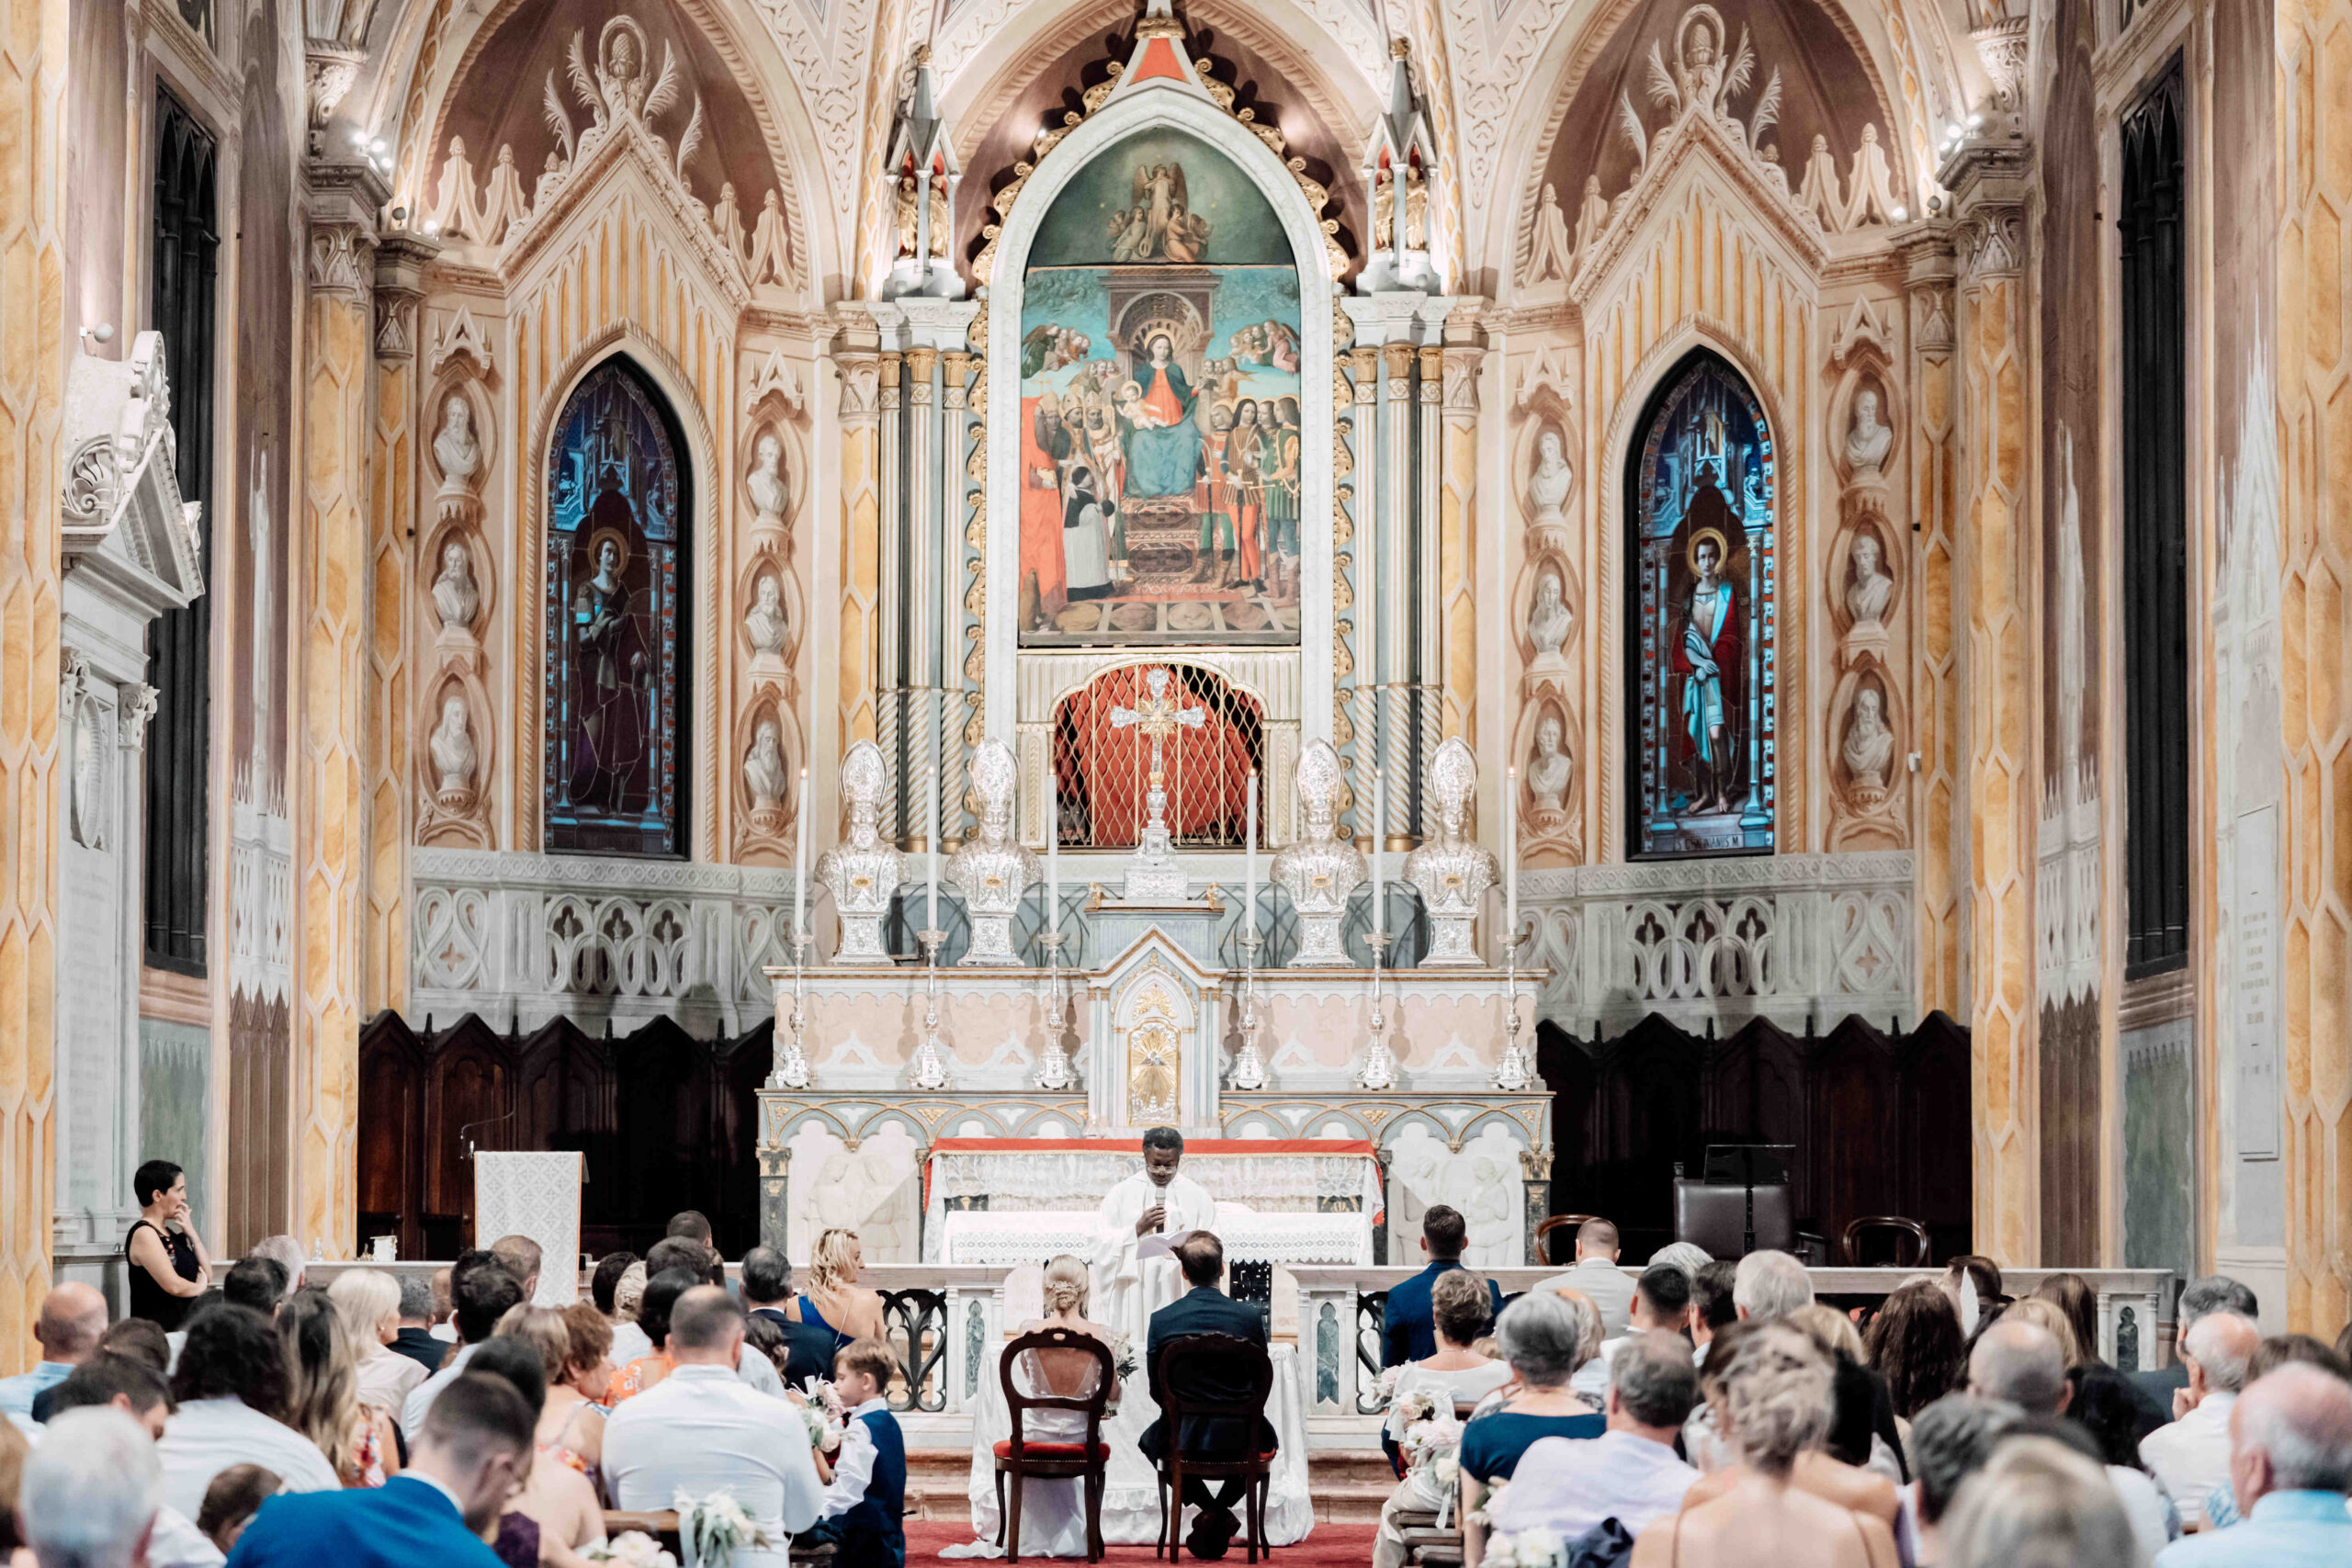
(1065, 1285)
(1777, 1390)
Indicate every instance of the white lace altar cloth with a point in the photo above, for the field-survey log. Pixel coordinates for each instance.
(537, 1195)
(1068, 1177)
(1130, 1496)
(984, 1237)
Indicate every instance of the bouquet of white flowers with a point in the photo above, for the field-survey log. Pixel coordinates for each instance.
(1485, 1512)
(1124, 1360)
(1385, 1385)
(822, 1412)
(714, 1529)
(631, 1548)
(1535, 1548)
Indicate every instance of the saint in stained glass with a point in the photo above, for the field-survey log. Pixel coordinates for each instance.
(1702, 698)
(619, 498)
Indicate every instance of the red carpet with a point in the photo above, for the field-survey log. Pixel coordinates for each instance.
(1331, 1546)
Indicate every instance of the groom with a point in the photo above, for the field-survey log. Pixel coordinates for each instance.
(1205, 1309)
(1154, 1201)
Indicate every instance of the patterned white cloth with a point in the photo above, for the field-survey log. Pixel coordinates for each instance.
(987, 1237)
(537, 1195)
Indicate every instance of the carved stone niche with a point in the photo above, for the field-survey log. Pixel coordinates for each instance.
(455, 752)
(1545, 614)
(1550, 777)
(766, 766)
(122, 518)
(1868, 764)
(1865, 588)
(769, 618)
(457, 580)
(457, 450)
(771, 481)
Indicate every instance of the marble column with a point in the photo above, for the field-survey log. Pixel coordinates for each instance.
(1456, 666)
(859, 370)
(1944, 837)
(1997, 563)
(331, 575)
(33, 335)
(890, 656)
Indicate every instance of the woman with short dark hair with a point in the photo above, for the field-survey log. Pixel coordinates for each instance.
(168, 1267)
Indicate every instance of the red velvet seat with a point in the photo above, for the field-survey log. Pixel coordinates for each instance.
(1086, 1463)
(1052, 1450)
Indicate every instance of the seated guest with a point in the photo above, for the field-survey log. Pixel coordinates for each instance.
(685, 1252)
(604, 1284)
(1916, 1345)
(1661, 1304)
(868, 1494)
(1951, 1441)
(2274, 1351)
(1631, 1472)
(556, 1515)
(413, 1337)
(2103, 1404)
(1597, 1275)
(702, 1430)
(231, 1388)
(590, 1371)
(2038, 1501)
(235, 1495)
(2209, 1294)
(1456, 1376)
(1768, 1284)
(519, 1255)
(1589, 1381)
(1712, 1307)
(1775, 1409)
(1862, 1424)
(1970, 1278)
(321, 1398)
(1542, 1338)
(662, 1293)
(767, 1293)
(1407, 1332)
(481, 1291)
(256, 1282)
(445, 1305)
(140, 1339)
(570, 1429)
(2191, 1455)
(287, 1254)
(693, 1224)
(2020, 1361)
(2072, 1295)
(72, 1317)
(834, 1300)
(472, 1449)
(1203, 1309)
(2291, 1465)
(629, 1341)
(368, 1302)
(133, 1388)
(89, 1494)
(1711, 1445)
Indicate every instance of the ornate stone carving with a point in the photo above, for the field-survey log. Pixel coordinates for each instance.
(1452, 871)
(454, 758)
(456, 598)
(1871, 588)
(1548, 621)
(1549, 773)
(763, 624)
(770, 494)
(1867, 750)
(1549, 486)
(1316, 869)
(458, 452)
(992, 870)
(862, 872)
(459, 336)
(135, 706)
(766, 779)
(342, 258)
(1867, 440)
(121, 494)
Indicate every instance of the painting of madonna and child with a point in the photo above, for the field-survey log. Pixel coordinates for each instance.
(1159, 407)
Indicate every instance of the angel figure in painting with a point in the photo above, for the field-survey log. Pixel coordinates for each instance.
(1708, 656)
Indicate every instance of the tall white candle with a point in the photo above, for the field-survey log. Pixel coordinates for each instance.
(1511, 856)
(931, 907)
(1379, 832)
(1250, 858)
(1053, 851)
(800, 865)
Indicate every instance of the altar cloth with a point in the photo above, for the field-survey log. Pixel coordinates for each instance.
(1342, 1236)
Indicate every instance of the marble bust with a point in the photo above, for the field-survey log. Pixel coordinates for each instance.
(1869, 749)
(769, 492)
(763, 622)
(862, 872)
(454, 759)
(992, 869)
(1452, 870)
(1547, 622)
(456, 447)
(1316, 869)
(1867, 442)
(456, 598)
(1867, 595)
(1548, 771)
(1547, 488)
(766, 777)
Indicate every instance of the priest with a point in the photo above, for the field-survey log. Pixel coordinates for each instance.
(1153, 1203)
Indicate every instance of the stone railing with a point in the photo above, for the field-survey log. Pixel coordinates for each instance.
(1770, 936)
(521, 939)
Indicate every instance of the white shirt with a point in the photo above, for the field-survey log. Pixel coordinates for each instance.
(1127, 1289)
(1570, 1484)
(177, 1543)
(421, 1398)
(207, 1435)
(2143, 1506)
(2191, 1455)
(854, 1466)
(701, 1430)
(1471, 1385)
(629, 1343)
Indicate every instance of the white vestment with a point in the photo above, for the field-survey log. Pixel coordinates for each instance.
(1127, 1289)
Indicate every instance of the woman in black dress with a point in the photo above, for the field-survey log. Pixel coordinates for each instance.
(168, 1266)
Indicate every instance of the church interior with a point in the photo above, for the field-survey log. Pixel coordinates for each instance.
(824, 610)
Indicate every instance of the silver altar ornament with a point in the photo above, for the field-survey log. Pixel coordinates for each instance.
(994, 870)
(1054, 1072)
(929, 1067)
(1153, 876)
(1452, 870)
(1317, 870)
(1249, 1068)
(1514, 1072)
(862, 872)
(1379, 1069)
(791, 1069)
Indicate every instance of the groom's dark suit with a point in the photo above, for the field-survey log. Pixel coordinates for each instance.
(1204, 1310)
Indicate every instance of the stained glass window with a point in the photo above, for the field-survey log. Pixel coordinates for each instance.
(1701, 602)
(618, 499)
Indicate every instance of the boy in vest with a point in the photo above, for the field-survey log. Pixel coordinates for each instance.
(868, 1495)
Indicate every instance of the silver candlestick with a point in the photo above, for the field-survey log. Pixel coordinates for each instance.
(1514, 1072)
(1379, 1069)
(1249, 1069)
(791, 1069)
(1054, 1069)
(929, 1068)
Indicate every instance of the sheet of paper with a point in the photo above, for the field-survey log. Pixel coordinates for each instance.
(1157, 1246)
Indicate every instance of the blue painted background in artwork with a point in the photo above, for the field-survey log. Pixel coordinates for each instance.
(1243, 229)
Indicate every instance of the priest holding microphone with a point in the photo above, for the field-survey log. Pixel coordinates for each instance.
(1134, 1274)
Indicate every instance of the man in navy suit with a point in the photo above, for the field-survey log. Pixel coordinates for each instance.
(475, 1444)
(1407, 1329)
(1205, 1309)
(767, 1285)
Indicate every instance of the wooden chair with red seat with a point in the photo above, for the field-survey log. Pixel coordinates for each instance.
(1903, 1229)
(1245, 1367)
(1023, 1458)
(1544, 1228)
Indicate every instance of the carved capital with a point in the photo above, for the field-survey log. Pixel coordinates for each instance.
(135, 706)
(1399, 356)
(395, 326)
(73, 674)
(344, 199)
(328, 71)
(1990, 240)
(1987, 181)
(860, 372)
(1432, 359)
(1461, 377)
(893, 364)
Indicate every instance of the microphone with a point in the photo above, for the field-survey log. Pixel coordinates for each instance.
(464, 1131)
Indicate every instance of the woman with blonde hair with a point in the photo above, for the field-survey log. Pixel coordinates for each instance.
(1053, 1512)
(368, 1303)
(1772, 1403)
(629, 1341)
(322, 1400)
(833, 1298)
(2054, 1316)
